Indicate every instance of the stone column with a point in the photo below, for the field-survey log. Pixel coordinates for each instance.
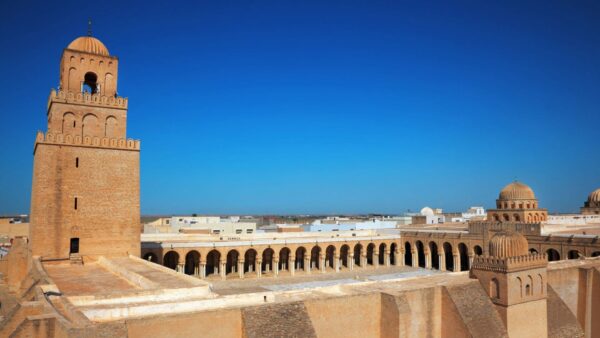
(375, 258)
(322, 262)
(415, 258)
(259, 268)
(202, 270)
(386, 258)
(351, 261)
(427, 260)
(241, 269)
(456, 262)
(223, 269)
(275, 267)
(307, 264)
(399, 261)
(471, 257)
(363, 260)
(442, 261)
(196, 269)
(181, 266)
(292, 264)
(336, 263)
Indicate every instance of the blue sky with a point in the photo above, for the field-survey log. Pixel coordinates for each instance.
(258, 107)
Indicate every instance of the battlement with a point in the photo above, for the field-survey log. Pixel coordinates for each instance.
(87, 98)
(87, 141)
(510, 264)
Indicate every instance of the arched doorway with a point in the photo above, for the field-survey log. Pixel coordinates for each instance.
(171, 260)
(250, 261)
(284, 258)
(448, 256)
(212, 262)
(232, 262)
(420, 253)
(267, 260)
(435, 258)
(192, 261)
(370, 250)
(344, 253)
(382, 247)
(553, 255)
(407, 254)
(357, 251)
(314, 257)
(573, 254)
(464, 257)
(300, 254)
(393, 248)
(329, 257)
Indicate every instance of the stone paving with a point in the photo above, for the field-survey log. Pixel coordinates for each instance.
(316, 279)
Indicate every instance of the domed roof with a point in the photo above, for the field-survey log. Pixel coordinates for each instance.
(517, 191)
(594, 196)
(508, 244)
(89, 44)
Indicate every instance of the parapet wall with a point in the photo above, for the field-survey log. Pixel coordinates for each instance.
(87, 98)
(510, 264)
(87, 141)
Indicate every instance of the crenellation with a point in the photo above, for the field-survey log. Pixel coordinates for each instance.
(87, 99)
(87, 141)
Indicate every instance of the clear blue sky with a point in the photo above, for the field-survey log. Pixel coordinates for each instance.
(325, 107)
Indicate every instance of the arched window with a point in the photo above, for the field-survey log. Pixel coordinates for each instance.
(90, 83)
(506, 217)
(494, 288)
(516, 218)
(110, 127)
(520, 284)
(529, 286)
(89, 125)
(68, 124)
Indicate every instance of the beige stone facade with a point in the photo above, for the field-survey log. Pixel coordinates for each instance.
(85, 189)
(517, 203)
(592, 205)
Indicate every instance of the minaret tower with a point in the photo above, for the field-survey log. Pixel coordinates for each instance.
(516, 282)
(85, 192)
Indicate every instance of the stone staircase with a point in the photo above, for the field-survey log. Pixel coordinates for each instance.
(76, 259)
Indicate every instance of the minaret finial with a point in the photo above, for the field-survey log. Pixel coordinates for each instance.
(89, 26)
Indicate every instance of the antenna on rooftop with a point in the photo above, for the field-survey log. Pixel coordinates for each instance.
(89, 27)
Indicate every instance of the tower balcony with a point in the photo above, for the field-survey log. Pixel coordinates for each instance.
(87, 99)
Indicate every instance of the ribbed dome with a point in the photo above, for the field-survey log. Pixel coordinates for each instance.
(517, 191)
(89, 44)
(508, 244)
(594, 196)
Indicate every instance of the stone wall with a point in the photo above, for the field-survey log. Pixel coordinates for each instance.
(90, 193)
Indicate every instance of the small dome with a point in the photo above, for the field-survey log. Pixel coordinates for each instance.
(508, 244)
(517, 191)
(594, 197)
(427, 211)
(89, 44)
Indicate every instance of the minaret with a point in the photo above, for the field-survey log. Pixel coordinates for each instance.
(85, 192)
(516, 281)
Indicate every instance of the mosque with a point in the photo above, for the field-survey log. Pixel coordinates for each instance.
(85, 270)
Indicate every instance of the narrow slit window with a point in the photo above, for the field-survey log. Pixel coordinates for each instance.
(74, 124)
(75, 204)
(76, 162)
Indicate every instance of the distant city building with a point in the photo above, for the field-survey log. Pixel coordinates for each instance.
(231, 225)
(319, 226)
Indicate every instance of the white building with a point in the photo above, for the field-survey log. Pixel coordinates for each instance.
(318, 226)
(201, 224)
